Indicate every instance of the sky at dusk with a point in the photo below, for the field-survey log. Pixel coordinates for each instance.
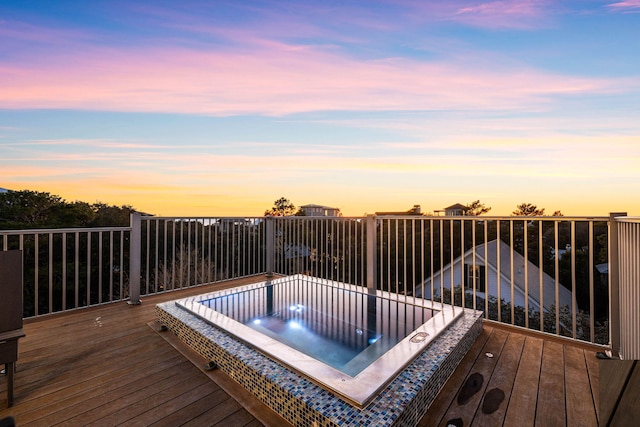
(221, 107)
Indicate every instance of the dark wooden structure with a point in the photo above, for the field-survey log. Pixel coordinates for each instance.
(620, 392)
(10, 314)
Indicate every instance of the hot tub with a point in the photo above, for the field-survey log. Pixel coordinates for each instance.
(347, 339)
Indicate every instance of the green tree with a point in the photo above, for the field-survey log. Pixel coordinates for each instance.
(528, 209)
(111, 216)
(476, 208)
(281, 207)
(27, 209)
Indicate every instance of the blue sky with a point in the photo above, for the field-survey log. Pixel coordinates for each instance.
(220, 108)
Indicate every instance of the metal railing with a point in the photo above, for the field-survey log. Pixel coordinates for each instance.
(183, 252)
(557, 275)
(541, 273)
(325, 247)
(538, 273)
(66, 269)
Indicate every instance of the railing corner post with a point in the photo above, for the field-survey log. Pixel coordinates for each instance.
(270, 242)
(614, 284)
(372, 278)
(135, 252)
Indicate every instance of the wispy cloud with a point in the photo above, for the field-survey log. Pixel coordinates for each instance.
(499, 14)
(625, 6)
(280, 79)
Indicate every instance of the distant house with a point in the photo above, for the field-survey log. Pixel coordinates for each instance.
(464, 270)
(319, 210)
(3, 190)
(453, 210)
(415, 210)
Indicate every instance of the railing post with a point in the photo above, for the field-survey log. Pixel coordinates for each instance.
(270, 242)
(614, 284)
(135, 252)
(372, 259)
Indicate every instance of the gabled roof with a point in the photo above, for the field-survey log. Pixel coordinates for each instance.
(520, 281)
(457, 206)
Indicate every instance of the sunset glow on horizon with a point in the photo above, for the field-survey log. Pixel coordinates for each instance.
(219, 108)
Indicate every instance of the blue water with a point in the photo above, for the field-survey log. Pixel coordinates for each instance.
(345, 329)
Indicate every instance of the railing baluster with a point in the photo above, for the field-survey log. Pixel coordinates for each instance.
(573, 280)
(525, 237)
(556, 263)
(499, 267)
(591, 285)
(512, 273)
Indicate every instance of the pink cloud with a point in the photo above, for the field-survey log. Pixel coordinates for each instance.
(627, 5)
(273, 79)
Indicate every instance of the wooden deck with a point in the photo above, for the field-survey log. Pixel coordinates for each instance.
(107, 366)
(520, 380)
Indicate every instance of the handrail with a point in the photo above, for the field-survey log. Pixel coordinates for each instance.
(62, 230)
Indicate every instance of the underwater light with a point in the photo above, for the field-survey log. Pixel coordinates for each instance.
(294, 325)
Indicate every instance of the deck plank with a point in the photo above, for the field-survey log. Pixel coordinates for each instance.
(447, 395)
(524, 396)
(551, 409)
(172, 405)
(578, 396)
(68, 400)
(593, 370)
(484, 366)
(190, 411)
(155, 397)
(501, 383)
(215, 415)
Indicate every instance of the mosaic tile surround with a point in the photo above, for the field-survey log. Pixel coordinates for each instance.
(303, 403)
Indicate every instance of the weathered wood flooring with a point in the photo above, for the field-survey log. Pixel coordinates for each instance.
(107, 366)
(523, 380)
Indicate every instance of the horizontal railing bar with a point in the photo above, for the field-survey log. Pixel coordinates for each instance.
(631, 219)
(62, 230)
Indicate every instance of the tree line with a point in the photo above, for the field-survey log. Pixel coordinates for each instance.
(28, 209)
(284, 207)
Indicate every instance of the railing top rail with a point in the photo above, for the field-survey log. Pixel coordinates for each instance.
(318, 217)
(460, 217)
(634, 219)
(62, 230)
(495, 218)
(197, 218)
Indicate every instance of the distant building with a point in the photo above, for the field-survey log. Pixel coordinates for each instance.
(415, 210)
(3, 190)
(319, 210)
(453, 210)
